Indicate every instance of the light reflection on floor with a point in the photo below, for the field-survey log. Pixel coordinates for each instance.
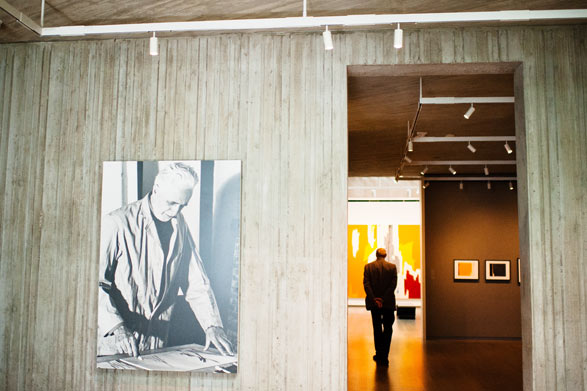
(436, 365)
(406, 356)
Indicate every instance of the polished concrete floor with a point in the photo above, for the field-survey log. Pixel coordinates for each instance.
(438, 365)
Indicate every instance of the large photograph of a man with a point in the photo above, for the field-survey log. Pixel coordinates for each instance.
(169, 257)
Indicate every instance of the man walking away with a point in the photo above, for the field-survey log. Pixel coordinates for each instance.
(379, 281)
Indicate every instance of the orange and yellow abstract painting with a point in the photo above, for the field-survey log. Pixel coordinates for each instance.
(402, 243)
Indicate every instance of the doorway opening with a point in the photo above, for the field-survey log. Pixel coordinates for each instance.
(451, 129)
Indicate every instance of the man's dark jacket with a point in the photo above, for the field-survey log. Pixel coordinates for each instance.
(380, 280)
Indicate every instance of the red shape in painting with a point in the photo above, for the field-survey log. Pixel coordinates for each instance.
(412, 286)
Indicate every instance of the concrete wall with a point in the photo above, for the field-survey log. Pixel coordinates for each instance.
(278, 103)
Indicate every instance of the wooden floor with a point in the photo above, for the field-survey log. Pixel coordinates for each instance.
(436, 365)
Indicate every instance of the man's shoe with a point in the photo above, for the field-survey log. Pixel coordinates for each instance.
(384, 362)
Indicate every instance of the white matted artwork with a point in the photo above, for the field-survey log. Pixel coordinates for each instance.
(169, 266)
(497, 270)
(466, 270)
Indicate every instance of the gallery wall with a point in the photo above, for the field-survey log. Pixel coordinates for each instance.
(473, 223)
(278, 103)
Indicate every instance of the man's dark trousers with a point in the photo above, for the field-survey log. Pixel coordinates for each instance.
(383, 319)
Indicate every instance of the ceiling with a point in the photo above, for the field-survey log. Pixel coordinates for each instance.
(92, 12)
(381, 102)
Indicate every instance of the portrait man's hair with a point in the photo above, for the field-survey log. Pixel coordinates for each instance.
(177, 173)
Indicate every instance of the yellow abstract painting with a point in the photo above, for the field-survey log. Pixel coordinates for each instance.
(402, 243)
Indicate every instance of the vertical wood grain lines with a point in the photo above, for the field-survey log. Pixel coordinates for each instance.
(278, 103)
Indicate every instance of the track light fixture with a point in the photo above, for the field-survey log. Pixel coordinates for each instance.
(461, 186)
(471, 148)
(452, 170)
(153, 45)
(425, 185)
(507, 148)
(410, 146)
(424, 170)
(488, 185)
(398, 38)
(327, 39)
(469, 112)
(486, 170)
(511, 186)
(407, 159)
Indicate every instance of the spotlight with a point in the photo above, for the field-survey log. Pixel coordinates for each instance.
(507, 148)
(398, 37)
(153, 45)
(407, 159)
(488, 185)
(410, 146)
(452, 170)
(486, 170)
(424, 170)
(425, 185)
(511, 186)
(461, 185)
(471, 148)
(327, 39)
(469, 112)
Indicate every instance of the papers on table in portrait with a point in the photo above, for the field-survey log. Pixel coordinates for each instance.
(181, 358)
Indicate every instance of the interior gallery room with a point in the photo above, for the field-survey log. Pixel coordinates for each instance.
(194, 195)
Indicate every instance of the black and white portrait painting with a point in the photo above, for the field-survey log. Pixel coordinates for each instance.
(169, 266)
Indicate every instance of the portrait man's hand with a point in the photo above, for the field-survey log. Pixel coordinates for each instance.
(126, 341)
(217, 336)
(379, 302)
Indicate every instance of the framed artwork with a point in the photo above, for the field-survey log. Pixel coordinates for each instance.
(497, 270)
(169, 266)
(519, 273)
(466, 270)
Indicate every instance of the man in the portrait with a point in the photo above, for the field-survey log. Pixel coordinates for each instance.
(147, 255)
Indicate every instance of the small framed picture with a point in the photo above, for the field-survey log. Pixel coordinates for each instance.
(466, 270)
(519, 273)
(496, 270)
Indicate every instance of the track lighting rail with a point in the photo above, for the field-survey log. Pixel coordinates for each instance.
(449, 100)
(459, 162)
(296, 23)
(455, 139)
(319, 22)
(22, 18)
(464, 178)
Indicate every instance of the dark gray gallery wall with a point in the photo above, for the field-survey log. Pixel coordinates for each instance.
(473, 223)
(278, 103)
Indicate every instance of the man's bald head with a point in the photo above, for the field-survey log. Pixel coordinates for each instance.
(381, 253)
